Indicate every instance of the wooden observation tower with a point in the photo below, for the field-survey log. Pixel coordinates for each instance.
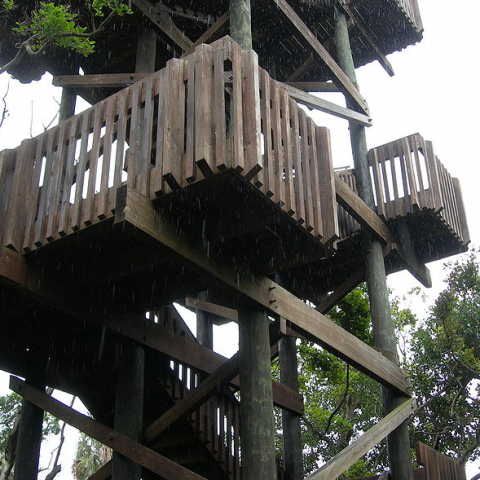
(196, 178)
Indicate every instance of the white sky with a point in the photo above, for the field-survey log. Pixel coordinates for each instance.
(434, 92)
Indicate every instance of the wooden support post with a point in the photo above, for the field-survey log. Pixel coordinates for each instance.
(129, 406)
(30, 431)
(67, 104)
(292, 439)
(257, 427)
(241, 23)
(384, 334)
(204, 323)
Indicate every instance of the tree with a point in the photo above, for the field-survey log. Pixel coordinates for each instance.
(10, 413)
(50, 25)
(445, 365)
(442, 355)
(90, 456)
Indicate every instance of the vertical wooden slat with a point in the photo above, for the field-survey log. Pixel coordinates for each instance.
(146, 137)
(463, 232)
(317, 206)
(190, 166)
(393, 170)
(307, 175)
(88, 204)
(122, 137)
(287, 154)
(33, 185)
(433, 180)
(374, 160)
(266, 175)
(219, 118)
(297, 164)
(418, 168)
(174, 124)
(22, 198)
(386, 186)
(204, 128)
(327, 185)
(102, 200)
(7, 172)
(157, 184)
(46, 190)
(80, 171)
(236, 114)
(277, 144)
(410, 174)
(251, 114)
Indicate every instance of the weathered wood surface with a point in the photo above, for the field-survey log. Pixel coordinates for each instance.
(438, 466)
(136, 210)
(215, 109)
(118, 442)
(347, 457)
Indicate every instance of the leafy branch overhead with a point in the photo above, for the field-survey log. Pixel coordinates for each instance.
(52, 25)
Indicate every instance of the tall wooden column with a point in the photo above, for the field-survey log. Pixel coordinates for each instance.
(384, 333)
(29, 438)
(292, 436)
(257, 425)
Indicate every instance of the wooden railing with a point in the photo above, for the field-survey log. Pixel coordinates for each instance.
(410, 7)
(409, 178)
(211, 111)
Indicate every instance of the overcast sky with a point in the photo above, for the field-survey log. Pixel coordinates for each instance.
(434, 92)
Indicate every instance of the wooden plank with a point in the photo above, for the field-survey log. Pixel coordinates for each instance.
(102, 200)
(81, 167)
(104, 80)
(374, 161)
(223, 20)
(190, 167)
(236, 115)
(317, 103)
(164, 22)
(463, 232)
(204, 128)
(120, 443)
(219, 310)
(317, 206)
(174, 124)
(348, 456)
(277, 144)
(146, 137)
(266, 176)
(157, 185)
(306, 171)
(137, 211)
(251, 114)
(291, 206)
(339, 75)
(222, 162)
(327, 185)
(314, 86)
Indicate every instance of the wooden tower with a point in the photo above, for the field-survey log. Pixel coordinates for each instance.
(196, 178)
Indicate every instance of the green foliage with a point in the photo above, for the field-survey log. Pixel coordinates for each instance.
(53, 24)
(445, 365)
(8, 5)
(90, 456)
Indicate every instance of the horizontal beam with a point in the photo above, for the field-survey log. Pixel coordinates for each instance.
(311, 101)
(63, 295)
(135, 210)
(164, 22)
(344, 82)
(348, 456)
(120, 443)
(209, 307)
(104, 80)
(314, 86)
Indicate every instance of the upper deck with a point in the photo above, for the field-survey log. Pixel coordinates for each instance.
(225, 153)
